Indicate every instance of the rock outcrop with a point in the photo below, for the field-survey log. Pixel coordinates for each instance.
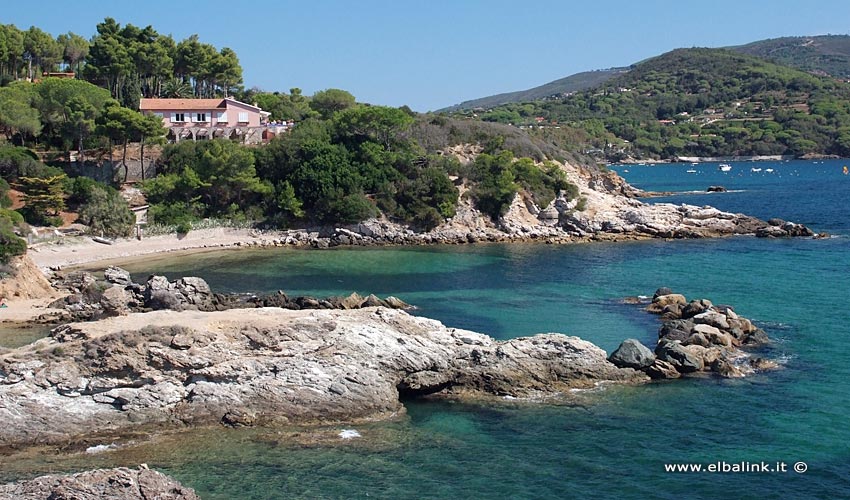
(269, 365)
(20, 278)
(695, 337)
(91, 299)
(102, 484)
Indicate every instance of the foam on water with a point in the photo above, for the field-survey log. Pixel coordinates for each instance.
(349, 434)
(91, 450)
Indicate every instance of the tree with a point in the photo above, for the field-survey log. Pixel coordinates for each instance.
(17, 116)
(74, 50)
(380, 124)
(226, 71)
(40, 50)
(69, 107)
(43, 196)
(151, 131)
(327, 102)
(11, 50)
(119, 125)
(109, 61)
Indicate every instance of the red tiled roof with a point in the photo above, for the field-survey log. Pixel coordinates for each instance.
(186, 104)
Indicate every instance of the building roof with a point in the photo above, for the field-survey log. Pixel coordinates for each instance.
(189, 104)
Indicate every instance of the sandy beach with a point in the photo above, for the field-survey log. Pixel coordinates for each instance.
(84, 250)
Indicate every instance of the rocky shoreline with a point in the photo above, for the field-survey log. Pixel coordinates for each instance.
(607, 209)
(114, 484)
(174, 354)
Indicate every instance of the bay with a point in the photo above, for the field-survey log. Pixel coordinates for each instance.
(611, 443)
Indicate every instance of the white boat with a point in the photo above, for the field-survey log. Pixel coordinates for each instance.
(724, 167)
(754, 169)
(691, 171)
(694, 164)
(769, 170)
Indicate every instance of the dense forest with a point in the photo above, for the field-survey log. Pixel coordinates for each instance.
(696, 102)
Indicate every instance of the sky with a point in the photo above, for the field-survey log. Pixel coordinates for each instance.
(430, 54)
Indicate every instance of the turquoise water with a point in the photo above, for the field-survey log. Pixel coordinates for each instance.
(611, 443)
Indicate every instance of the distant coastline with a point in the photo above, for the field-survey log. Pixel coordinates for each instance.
(718, 159)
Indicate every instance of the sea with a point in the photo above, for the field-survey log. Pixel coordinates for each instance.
(777, 434)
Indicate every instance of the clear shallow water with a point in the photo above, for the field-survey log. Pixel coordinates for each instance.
(614, 443)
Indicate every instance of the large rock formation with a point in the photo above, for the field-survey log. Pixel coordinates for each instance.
(695, 337)
(269, 365)
(102, 484)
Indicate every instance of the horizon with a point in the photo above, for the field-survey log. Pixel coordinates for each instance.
(397, 54)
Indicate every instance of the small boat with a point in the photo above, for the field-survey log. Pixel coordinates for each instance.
(694, 164)
(845, 170)
(769, 170)
(724, 167)
(754, 169)
(100, 239)
(691, 171)
(626, 171)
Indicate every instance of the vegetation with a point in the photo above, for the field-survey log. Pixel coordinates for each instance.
(106, 213)
(345, 161)
(128, 61)
(499, 177)
(823, 54)
(10, 244)
(697, 102)
(562, 86)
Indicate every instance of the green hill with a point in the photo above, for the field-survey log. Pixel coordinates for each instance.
(557, 88)
(696, 102)
(824, 54)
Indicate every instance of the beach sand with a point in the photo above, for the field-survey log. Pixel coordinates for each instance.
(78, 252)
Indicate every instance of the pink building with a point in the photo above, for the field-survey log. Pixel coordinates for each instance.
(208, 118)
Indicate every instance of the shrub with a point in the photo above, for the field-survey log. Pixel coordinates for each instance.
(184, 226)
(10, 244)
(107, 213)
(350, 209)
(79, 190)
(5, 201)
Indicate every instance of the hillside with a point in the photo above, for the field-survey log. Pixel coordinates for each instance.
(569, 84)
(824, 54)
(698, 102)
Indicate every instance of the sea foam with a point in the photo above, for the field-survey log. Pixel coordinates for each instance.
(349, 434)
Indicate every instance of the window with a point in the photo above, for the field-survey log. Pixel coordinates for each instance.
(178, 117)
(222, 117)
(200, 117)
(243, 117)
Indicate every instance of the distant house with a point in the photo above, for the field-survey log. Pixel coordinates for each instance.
(199, 119)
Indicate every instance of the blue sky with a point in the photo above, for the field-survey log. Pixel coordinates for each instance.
(433, 53)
